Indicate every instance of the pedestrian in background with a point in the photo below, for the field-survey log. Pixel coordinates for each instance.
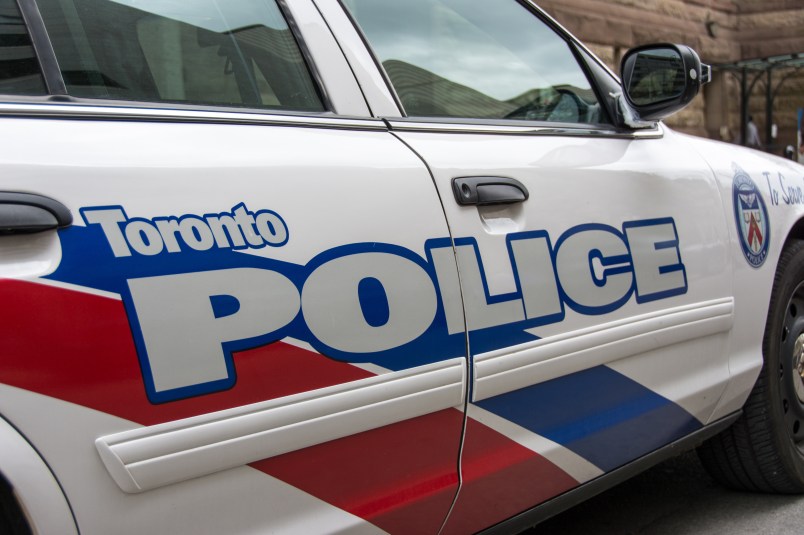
(752, 132)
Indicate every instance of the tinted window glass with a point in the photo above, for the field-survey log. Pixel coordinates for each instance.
(19, 68)
(219, 52)
(476, 59)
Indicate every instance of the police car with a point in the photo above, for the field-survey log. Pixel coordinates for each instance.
(370, 266)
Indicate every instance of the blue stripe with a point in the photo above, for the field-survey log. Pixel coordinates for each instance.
(598, 413)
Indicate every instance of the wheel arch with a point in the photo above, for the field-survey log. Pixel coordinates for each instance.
(796, 232)
(30, 483)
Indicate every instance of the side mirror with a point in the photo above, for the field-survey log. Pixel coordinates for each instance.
(659, 80)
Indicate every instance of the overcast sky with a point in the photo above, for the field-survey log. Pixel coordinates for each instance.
(494, 46)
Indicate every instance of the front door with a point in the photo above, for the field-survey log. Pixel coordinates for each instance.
(592, 260)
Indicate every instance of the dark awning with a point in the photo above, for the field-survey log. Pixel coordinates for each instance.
(749, 72)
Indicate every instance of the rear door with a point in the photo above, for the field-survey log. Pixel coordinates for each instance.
(592, 259)
(242, 329)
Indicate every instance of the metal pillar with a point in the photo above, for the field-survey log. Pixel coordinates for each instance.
(769, 111)
(744, 107)
(761, 70)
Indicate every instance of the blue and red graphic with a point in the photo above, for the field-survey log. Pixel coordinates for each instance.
(74, 339)
(751, 216)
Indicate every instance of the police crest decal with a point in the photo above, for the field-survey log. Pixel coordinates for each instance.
(751, 215)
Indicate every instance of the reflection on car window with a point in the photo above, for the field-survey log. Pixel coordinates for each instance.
(477, 59)
(219, 52)
(19, 68)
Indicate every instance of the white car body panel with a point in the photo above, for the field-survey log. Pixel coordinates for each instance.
(238, 500)
(295, 169)
(604, 181)
(285, 322)
(754, 284)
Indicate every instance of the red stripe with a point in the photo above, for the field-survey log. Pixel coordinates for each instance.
(401, 478)
(78, 347)
(500, 479)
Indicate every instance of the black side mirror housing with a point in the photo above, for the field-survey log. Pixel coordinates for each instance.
(661, 79)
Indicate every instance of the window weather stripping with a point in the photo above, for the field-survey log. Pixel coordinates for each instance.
(43, 47)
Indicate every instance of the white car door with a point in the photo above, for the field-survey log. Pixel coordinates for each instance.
(593, 261)
(238, 325)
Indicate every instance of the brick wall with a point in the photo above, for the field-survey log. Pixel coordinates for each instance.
(722, 31)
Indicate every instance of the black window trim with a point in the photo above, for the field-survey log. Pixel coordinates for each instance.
(57, 88)
(43, 48)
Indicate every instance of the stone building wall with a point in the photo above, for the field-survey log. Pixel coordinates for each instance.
(722, 31)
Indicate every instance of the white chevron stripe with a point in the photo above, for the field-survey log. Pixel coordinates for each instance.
(569, 461)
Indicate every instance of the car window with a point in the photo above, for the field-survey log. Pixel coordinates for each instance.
(19, 68)
(217, 52)
(490, 59)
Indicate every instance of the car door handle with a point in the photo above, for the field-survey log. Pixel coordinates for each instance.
(26, 213)
(485, 190)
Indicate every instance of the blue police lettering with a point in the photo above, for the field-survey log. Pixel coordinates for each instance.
(357, 302)
(593, 269)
